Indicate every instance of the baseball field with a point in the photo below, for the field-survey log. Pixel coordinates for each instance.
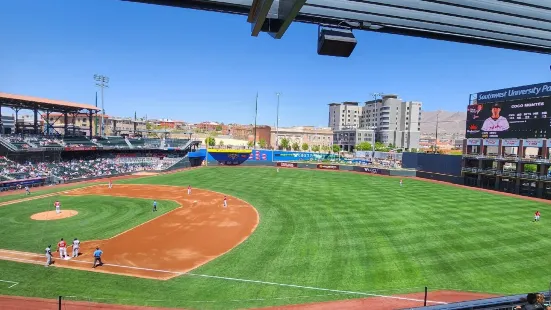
(288, 237)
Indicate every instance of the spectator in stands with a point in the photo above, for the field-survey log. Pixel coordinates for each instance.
(534, 301)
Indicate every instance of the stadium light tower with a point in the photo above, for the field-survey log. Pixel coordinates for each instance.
(101, 82)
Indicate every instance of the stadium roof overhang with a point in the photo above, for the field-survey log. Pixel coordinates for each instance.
(523, 25)
(30, 103)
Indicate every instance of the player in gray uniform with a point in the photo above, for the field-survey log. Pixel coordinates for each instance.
(76, 247)
(48, 256)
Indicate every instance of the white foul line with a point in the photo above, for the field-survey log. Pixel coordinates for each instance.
(241, 280)
(13, 283)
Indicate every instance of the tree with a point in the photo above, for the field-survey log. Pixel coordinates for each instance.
(221, 143)
(262, 143)
(336, 148)
(250, 144)
(209, 141)
(218, 128)
(315, 148)
(305, 146)
(364, 146)
(295, 146)
(380, 147)
(284, 144)
(325, 148)
(413, 150)
(530, 168)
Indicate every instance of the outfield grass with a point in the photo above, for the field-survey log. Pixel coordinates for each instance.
(340, 231)
(98, 218)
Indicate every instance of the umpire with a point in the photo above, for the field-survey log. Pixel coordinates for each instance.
(48, 255)
(97, 257)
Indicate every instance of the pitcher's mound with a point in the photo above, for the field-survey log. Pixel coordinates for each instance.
(52, 215)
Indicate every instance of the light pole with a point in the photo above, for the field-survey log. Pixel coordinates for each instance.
(102, 82)
(373, 145)
(277, 121)
(436, 138)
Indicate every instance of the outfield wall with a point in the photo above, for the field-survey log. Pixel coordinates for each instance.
(440, 167)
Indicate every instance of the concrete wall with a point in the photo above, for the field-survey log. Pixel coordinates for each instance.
(438, 167)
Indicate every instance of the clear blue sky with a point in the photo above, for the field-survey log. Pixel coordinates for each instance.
(196, 66)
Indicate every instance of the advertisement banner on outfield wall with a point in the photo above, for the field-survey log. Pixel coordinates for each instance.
(473, 141)
(510, 142)
(491, 142)
(328, 167)
(287, 165)
(532, 142)
(295, 156)
(260, 155)
(372, 170)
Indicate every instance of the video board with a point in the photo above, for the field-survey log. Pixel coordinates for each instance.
(521, 119)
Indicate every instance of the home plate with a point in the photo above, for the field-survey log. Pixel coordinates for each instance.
(67, 258)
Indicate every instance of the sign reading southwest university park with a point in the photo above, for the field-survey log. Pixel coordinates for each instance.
(520, 112)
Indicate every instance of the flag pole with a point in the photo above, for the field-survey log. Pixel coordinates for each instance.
(255, 115)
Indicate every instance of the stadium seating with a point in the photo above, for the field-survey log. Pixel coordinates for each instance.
(78, 141)
(113, 142)
(176, 142)
(79, 169)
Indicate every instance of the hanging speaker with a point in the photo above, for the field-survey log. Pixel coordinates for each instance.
(336, 42)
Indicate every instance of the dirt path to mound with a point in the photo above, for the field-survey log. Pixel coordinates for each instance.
(19, 303)
(167, 246)
(394, 302)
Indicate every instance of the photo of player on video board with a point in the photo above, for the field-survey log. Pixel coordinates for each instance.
(526, 118)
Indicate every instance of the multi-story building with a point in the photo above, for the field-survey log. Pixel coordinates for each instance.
(113, 126)
(313, 136)
(393, 120)
(125, 126)
(347, 139)
(345, 115)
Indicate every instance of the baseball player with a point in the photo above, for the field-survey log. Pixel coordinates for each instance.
(62, 248)
(277, 169)
(27, 190)
(225, 202)
(401, 182)
(154, 205)
(110, 184)
(97, 257)
(495, 122)
(48, 255)
(189, 189)
(537, 216)
(57, 205)
(76, 247)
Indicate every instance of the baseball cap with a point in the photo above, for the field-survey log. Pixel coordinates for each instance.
(496, 105)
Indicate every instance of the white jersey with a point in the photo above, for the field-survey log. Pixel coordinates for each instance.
(76, 244)
(48, 251)
(499, 124)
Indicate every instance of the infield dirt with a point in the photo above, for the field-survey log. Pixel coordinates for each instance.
(183, 239)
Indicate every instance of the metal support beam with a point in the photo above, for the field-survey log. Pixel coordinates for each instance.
(287, 11)
(16, 121)
(260, 14)
(90, 119)
(1, 121)
(36, 121)
(65, 125)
